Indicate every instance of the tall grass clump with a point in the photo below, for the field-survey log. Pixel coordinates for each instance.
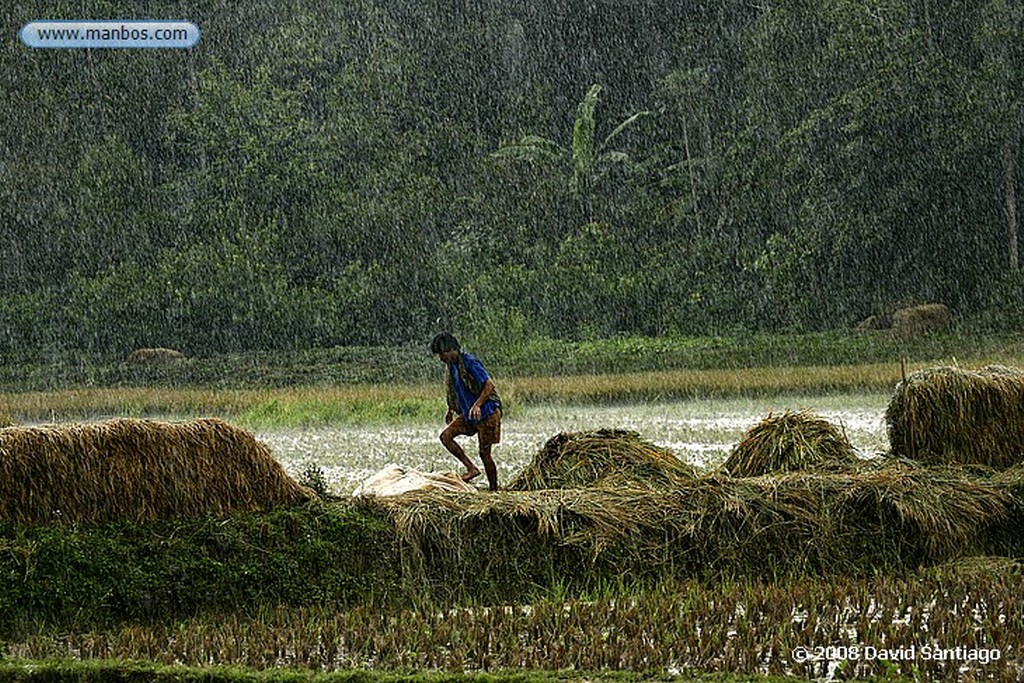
(947, 415)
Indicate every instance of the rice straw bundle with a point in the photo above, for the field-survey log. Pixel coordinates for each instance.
(127, 469)
(896, 515)
(791, 441)
(605, 458)
(948, 415)
(939, 511)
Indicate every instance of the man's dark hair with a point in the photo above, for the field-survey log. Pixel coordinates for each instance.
(444, 342)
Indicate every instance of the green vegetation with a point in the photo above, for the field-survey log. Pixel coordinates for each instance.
(537, 356)
(115, 671)
(324, 175)
(329, 410)
(74, 576)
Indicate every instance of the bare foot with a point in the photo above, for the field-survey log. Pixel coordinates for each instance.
(470, 475)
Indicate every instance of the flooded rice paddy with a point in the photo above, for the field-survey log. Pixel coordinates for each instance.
(701, 432)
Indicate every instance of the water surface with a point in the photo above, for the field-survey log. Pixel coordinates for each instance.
(701, 432)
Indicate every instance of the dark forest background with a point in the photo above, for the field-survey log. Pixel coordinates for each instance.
(369, 171)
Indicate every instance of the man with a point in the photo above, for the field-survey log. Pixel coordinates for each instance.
(474, 407)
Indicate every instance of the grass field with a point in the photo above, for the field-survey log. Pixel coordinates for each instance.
(380, 386)
(31, 671)
(384, 404)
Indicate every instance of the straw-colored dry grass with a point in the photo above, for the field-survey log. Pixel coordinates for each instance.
(604, 458)
(790, 442)
(799, 499)
(947, 415)
(896, 515)
(137, 470)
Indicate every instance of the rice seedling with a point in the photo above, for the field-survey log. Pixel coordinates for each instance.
(947, 415)
(791, 441)
(805, 628)
(137, 470)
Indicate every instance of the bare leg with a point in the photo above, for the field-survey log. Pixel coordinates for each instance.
(472, 471)
(489, 466)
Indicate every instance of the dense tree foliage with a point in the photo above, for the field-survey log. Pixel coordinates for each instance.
(368, 171)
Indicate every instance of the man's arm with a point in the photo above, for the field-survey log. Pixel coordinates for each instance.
(485, 393)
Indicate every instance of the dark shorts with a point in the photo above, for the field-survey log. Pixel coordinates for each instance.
(487, 431)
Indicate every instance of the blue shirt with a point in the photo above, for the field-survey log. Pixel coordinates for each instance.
(465, 398)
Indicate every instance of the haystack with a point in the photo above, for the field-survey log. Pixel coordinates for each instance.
(948, 415)
(874, 323)
(605, 458)
(915, 321)
(788, 442)
(157, 357)
(137, 470)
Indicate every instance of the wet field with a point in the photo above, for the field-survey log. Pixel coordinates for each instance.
(701, 432)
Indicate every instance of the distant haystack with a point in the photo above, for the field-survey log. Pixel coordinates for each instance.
(953, 416)
(605, 458)
(155, 357)
(137, 470)
(915, 321)
(790, 442)
(874, 323)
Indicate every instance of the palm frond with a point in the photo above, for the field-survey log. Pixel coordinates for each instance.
(531, 148)
(625, 125)
(583, 130)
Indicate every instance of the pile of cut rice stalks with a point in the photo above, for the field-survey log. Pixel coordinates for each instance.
(948, 415)
(793, 441)
(895, 516)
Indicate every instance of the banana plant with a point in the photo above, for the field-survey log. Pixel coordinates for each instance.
(588, 157)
